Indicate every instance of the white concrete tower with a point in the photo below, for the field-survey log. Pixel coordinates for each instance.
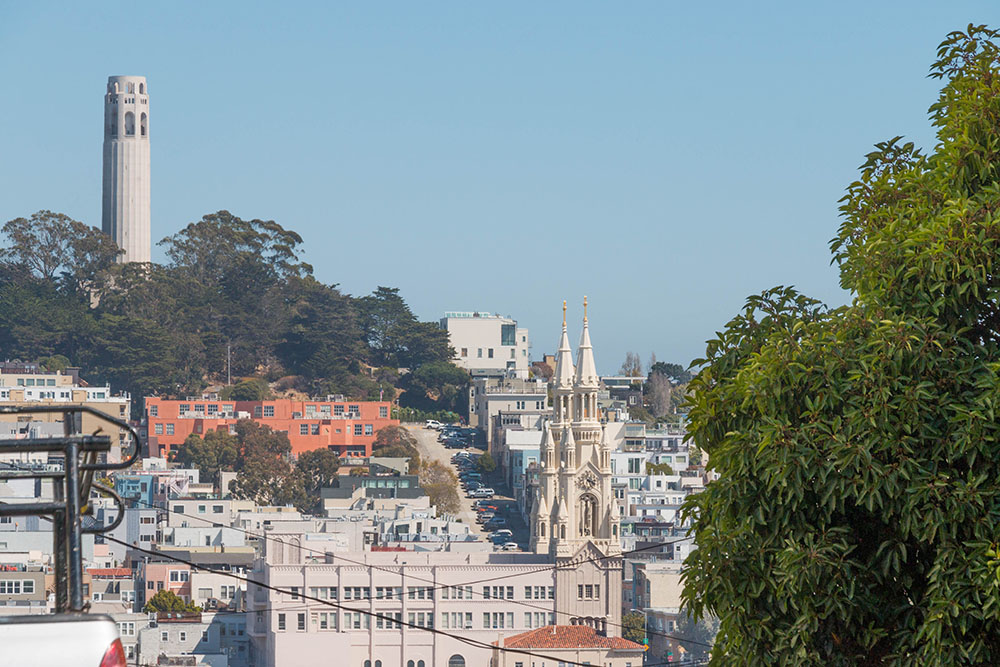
(125, 216)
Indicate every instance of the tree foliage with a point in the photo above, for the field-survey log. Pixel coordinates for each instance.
(634, 626)
(234, 295)
(857, 513)
(166, 600)
(441, 485)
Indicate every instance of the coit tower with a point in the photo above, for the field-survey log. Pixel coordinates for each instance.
(125, 216)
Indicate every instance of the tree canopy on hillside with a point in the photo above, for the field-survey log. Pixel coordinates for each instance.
(856, 515)
(234, 295)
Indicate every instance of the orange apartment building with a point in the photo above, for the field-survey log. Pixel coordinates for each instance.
(346, 427)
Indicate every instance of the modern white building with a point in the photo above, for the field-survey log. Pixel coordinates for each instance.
(488, 344)
(125, 216)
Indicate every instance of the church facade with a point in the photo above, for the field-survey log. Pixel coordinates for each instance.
(574, 518)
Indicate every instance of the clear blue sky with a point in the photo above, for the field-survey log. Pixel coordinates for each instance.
(666, 159)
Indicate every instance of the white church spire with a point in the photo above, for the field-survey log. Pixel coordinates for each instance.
(586, 370)
(563, 376)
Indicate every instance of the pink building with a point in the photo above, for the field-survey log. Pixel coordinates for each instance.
(153, 577)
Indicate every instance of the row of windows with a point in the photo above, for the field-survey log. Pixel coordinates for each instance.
(159, 428)
(456, 620)
(202, 509)
(588, 592)
(129, 88)
(30, 382)
(17, 586)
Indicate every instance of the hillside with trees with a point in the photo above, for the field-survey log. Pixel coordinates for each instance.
(233, 292)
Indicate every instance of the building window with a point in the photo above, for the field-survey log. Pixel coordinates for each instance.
(183, 636)
(154, 411)
(158, 429)
(338, 410)
(177, 576)
(358, 429)
(383, 412)
(368, 429)
(490, 353)
(303, 429)
(268, 411)
(170, 429)
(257, 411)
(479, 353)
(465, 351)
(301, 620)
(315, 429)
(164, 636)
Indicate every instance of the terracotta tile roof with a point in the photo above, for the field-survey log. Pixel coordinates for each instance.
(567, 636)
(109, 572)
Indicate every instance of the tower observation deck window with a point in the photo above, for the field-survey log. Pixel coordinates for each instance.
(129, 124)
(142, 89)
(142, 123)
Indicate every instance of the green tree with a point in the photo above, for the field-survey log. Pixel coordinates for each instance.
(53, 244)
(216, 452)
(250, 389)
(856, 515)
(676, 373)
(318, 468)
(634, 626)
(165, 600)
(486, 464)
(393, 334)
(396, 442)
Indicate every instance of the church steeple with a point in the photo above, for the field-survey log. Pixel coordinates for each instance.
(586, 369)
(563, 376)
(575, 505)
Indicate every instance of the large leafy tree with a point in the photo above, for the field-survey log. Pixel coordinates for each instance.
(856, 519)
(52, 245)
(394, 335)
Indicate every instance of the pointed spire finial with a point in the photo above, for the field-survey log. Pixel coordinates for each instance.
(564, 313)
(584, 308)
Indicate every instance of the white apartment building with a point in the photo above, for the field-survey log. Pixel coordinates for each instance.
(488, 344)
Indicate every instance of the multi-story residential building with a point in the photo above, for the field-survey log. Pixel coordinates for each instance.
(522, 403)
(112, 589)
(22, 589)
(488, 344)
(346, 427)
(26, 385)
(217, 638)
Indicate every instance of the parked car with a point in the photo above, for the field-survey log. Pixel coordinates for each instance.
(485, 517)
(483, 492)
(503, 532)
(510, 546)
(495, 523)
(433, 423)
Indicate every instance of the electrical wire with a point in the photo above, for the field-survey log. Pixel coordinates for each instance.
(475, 643)
(573, 564)
(569, 565)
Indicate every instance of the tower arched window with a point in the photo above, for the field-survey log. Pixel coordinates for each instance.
(142, 124)
(456, 661)
(562, 531)
(129, 124)
(142, 89)
(114, 124)
(131, 88)
(409, 663)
